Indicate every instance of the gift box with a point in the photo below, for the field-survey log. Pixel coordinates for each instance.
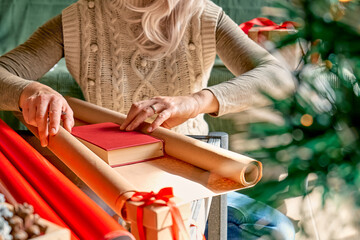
(157, 234)
(157, 218)
(261, 35)
(290, 56)
(265, 32)
(156, 215)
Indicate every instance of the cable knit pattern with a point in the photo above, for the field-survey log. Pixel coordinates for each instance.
(112, 73)
(116, 57)
(71, 22)
(209, 21)
(85, 77)
(196, 25)
(97, 49)
(144, 70)
(189, 59)
(171, 75)
(133, 77)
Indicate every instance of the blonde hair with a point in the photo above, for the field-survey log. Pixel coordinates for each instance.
(162, 24)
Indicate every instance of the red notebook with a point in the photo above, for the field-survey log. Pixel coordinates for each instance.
(118, 147)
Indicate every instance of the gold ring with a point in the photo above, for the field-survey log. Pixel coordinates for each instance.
(153, 108)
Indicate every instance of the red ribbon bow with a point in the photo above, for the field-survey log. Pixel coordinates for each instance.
(267, 25)
(149, 198)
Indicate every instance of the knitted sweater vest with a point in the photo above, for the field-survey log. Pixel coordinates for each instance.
(113, 73)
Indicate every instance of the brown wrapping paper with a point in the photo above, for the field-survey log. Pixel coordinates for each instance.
(238, 168)
(113, 188)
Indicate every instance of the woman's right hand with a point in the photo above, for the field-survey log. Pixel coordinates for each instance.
(45, 108)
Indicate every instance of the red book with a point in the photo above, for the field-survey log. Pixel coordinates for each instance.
(118, 147)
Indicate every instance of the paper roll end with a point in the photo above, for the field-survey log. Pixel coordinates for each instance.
(252, 174)
(120, 208)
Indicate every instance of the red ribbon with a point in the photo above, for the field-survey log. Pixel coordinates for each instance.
(149, 198)
(198, 232)
(267, 25)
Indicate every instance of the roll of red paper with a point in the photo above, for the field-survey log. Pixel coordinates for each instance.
(22, 191)
(80, 213)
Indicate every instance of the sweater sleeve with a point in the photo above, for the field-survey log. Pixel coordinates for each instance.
(29, 61)
(256, 70)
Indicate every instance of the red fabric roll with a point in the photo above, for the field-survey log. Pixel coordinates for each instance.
(22, 191)
(81, 214)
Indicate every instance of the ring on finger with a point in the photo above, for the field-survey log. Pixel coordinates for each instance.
(153, 108)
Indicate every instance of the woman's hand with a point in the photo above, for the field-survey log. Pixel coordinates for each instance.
(171, 111)
(44, 108)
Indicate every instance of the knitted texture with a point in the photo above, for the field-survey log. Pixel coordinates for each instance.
(101, 55)
(113, 73)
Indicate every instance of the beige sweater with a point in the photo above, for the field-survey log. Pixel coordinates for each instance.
(112, 72)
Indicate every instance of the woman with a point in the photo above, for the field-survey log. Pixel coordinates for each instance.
(146, 58)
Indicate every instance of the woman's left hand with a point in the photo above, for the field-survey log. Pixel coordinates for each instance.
(171, 111)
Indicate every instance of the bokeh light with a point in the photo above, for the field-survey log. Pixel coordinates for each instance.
(306, 120)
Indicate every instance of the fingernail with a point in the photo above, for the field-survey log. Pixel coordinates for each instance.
(121, 127)
(129, 128)
(150, 129)
(53, 131)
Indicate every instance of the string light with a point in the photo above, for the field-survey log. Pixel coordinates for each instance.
(306, 120)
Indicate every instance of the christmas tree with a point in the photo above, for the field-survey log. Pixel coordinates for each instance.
(318, 144)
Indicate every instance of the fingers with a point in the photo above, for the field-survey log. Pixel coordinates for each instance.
(161, 118)
(165, 107)
(41, 119)
(134, 110)
(68, 118)
(139, 112)
(171, 111)
(55, 111)
(35, 113)
(44, 108)
(60, 110)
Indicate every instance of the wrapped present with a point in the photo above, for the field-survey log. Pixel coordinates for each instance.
(156, 234)
(158, 215)
(263, 31)
(259, 35)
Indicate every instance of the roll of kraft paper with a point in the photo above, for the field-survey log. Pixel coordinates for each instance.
(231, 165)
(23, 192)
(80, 213)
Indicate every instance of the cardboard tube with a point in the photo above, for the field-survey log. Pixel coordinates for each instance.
(234, 166)
(99, 176)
